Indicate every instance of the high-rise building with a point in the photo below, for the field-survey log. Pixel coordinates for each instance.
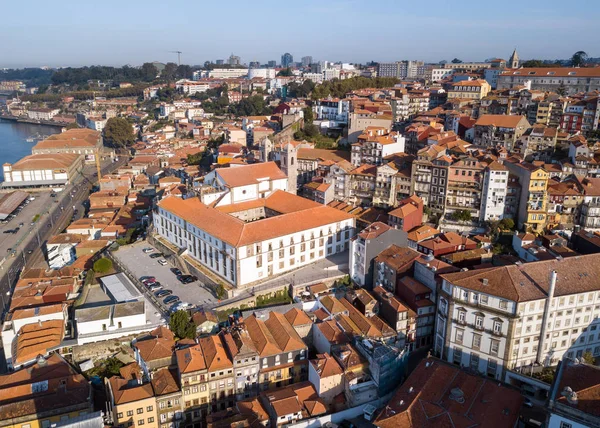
(306, 61)
(254, 64)
(234, 60)
(220, 62)
(287, 60)
(272, 64)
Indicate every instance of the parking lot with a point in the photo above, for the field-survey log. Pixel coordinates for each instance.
(141, 264)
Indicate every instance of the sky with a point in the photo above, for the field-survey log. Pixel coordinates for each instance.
(110, 32)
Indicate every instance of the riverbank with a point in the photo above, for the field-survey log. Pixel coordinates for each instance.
(33, 121)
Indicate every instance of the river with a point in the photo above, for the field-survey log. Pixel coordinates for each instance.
(13, 140)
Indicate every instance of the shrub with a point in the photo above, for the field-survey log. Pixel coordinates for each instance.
(103, 265)
(181, 326)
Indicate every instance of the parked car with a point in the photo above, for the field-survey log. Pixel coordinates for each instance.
(154, 287)
(156, 255)
(147, 278)
(148, 250)
(187, 279)
(170, 299)
(162, 262)
(163, 293)
(528, 403)
(176, 271)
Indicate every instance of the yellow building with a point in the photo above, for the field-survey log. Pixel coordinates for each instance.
(469, 89)
(533, 205)
(193, 376)
(46, 392)
(130, 403)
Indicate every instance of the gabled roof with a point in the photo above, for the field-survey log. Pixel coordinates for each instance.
(500, 120)
(215, 356)
(124, 392)
(164, 382)
(250, 174)
(190, 359)
(297, 317)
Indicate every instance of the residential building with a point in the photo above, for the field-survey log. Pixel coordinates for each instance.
(502, 318)
(45, 393)
(130, 402)
(283, 355)
(394, 313)
(494, 192)
(333, 110)
(464, 186)
(493, 130)
(193, 380)
(374, 144)
(436, 384)
(367, 245)
(573, 80)
(292, 404)
(60, 249)
(246, 361)
(84, 142)
(42, 113)
(287, 60)
(219, 375)
(532, 211)
(169, 400)
(572, 401)
(326, 375)
(469, 89)
(420, 299)
(248, 242)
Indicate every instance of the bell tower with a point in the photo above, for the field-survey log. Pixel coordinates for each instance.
(514, 61)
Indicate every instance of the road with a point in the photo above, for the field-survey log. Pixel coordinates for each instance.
(52, 221)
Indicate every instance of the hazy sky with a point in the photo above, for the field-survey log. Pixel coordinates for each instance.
(110, 32)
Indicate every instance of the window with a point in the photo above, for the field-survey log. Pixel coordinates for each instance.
(476, 341)
(129, 412)
(483, 299)
(149, 408)
(565, 425)
(479, 322)
(461, 317)
(140, 422)
(459, 336)
(503, 304)
(474, 364)
(119, 415)
(140, 410)
(150, 420)
(494, 347)
(457, 356)
(497, 327)
(491, 368)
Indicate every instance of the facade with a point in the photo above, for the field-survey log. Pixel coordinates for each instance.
(287, 60)
(469, 89)
(533, 203)
(219, 373)
(493, 130)
(42, 170)
(42, 113)
(193, 379)
(501, 318)
(494, 192)
(367, 245)
(84, 142)
(129, 401)
(573, 80)
(326, 375)
(248, 242)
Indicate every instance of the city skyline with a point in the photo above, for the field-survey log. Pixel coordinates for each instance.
(76, 34)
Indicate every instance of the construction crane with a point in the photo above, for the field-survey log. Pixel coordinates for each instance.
(178, 56)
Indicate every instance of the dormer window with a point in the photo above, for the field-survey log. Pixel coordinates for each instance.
(551, 73)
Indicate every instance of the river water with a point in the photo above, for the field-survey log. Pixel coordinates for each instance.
(13, 140)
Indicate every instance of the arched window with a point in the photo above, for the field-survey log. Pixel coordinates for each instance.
(292, 161)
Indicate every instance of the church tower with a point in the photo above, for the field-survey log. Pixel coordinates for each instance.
(265, 148)
(514, 62)
(289, 165)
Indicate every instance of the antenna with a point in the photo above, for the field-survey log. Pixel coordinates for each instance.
(178, 56)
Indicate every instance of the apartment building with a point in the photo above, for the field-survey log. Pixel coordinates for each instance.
(469, 89)
(169, 400)
(246, 361)
(42, 113)
(193, 379)
(254, 240)
(219, 373)
(334, 110)
(130, 402)
(532, 207)
(494, 192)
(47, 392)
(503, 318)
(375, 144)
(492, 130)
(573, 80)
(463, 191)
(283, 354)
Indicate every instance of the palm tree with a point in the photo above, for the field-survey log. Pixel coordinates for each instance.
(579, 58)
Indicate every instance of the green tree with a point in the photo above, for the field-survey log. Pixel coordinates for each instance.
(506, 224)
(461, 215)
(308, 115)
(169, 71)
(285, 72)
(118, 132)
(184, 72)
(456, 61)
(561, 90)
(537, 63)
(181, 326)
(588, 358)
(103, 265)
(579, 59)
(220, 291)
(72, 125)
(149, 71)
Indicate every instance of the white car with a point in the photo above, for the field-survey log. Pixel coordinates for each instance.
(180, 306)
(148, 250)
(162, 262)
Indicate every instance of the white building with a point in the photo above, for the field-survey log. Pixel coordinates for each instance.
(190, 87)
(331, 73)
(491, 76)
(253, 240)
(242, 183)
(42, 113)
(438, 74)
(493, 192)
(42, 170)
(315, 77)
(95, 123)
(22, 317)
(263, 73)
(512, 316)
(227, 73)
(61, 250)
(376, 148)
(96, 324)
(332, 109)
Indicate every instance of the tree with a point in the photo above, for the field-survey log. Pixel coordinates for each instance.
(506, 224)
(118, 132)
(561, 90)
(72, 125)
(579, 59)
(181, 326)
(461, 215)
(308, 115)
(285, 72)
(149, 71)
(184, 71)
(103, 265)
(588, 358)
(456, 61)
(169, 71)
(220, 291)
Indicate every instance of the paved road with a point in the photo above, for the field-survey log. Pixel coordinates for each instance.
(140, 264)
(52, 221)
